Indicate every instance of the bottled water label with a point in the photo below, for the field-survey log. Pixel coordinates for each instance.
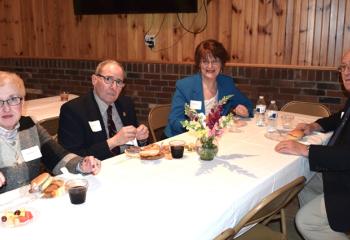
(271, 120)
(261, 108)
(272, 115)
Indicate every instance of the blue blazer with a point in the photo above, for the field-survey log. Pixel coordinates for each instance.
(190, 88)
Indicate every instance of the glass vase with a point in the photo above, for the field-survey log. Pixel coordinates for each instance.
(207, 148)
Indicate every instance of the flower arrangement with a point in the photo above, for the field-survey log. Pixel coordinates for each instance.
(207, 128)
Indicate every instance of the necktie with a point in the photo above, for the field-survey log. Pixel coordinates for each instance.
(339, 129)
(112, 130)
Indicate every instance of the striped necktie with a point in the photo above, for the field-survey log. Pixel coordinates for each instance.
(112, 130)
(110, 124)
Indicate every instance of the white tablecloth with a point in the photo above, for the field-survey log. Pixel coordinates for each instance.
(44, 108)
(169, 199)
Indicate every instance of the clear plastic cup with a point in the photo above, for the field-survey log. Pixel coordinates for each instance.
(287, 121)
(77, 189)
(177, 148)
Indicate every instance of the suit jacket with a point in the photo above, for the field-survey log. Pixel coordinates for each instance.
(334, 163)
(190, 88)
(75, 133)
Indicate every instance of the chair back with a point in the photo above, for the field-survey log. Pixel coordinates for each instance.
(51, 125)
(309, 108)
(267, 207)
(158, 119)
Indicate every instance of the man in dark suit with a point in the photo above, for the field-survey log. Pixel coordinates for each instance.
(101, 123)
(328, 215)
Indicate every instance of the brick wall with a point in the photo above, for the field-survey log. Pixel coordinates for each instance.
(154, 83)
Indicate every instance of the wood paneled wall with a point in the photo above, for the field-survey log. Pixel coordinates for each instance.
(292, 32)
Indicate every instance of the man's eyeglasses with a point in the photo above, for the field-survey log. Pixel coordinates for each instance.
(344, 67)
(214, 62)
(12, 101)
(109, 80)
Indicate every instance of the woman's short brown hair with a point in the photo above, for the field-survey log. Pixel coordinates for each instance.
(210, 47)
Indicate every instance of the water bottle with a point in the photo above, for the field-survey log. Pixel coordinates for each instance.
(260, 111)
(272, 116)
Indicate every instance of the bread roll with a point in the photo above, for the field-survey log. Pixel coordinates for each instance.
(296, 134)
(150, 151)
(40, 182)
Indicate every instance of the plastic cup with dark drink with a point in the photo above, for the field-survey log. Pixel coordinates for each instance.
(177, 148)
(77, 189)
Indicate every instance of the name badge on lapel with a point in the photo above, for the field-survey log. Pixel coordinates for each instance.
(31, 153)
(197, 105)
(95, 126)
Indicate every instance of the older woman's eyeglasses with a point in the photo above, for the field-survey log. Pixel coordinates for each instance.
(206, 62)
(109, 80)
(344, 67)
(12, 101)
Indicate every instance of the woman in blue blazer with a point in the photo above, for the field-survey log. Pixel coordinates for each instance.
(204, 89)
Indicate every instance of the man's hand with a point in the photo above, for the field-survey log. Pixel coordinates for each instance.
(292, 147)
(90, 165)
(142, 132)
(308, 128)
(124, 135)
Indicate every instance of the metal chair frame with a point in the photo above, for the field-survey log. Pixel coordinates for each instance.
(271, 207)
(158, 119)
(309, 108)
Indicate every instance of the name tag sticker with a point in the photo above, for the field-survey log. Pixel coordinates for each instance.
(95, 126)
(31, 153)
(197, 105)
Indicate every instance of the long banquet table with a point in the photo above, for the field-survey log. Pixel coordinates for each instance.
(44, 108)
(167, 199)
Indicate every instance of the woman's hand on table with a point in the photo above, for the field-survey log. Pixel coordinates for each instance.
(292, 147)
(2, 179)
(90, 164)
(241, 110)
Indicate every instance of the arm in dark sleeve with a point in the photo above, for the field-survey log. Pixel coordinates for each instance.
(329, 158)
(54, 156)
(330, 123)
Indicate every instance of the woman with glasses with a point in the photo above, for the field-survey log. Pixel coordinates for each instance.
(204, 89)
(101, 123)
(25, 145)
